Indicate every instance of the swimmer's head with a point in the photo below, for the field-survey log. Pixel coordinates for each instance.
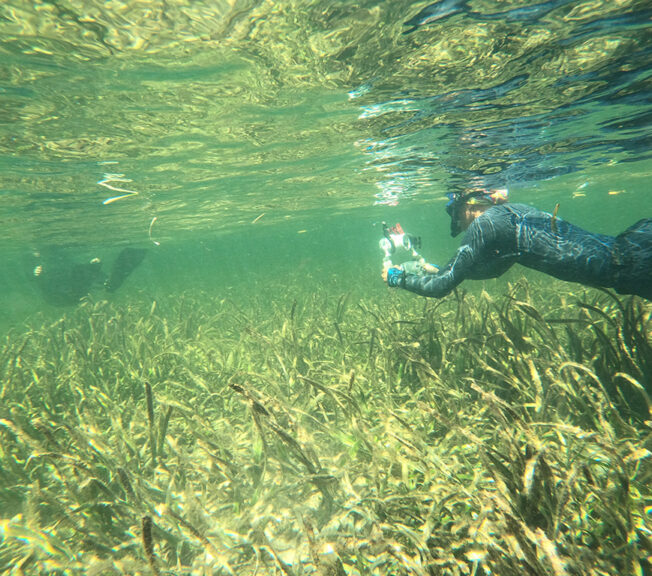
(463, 207)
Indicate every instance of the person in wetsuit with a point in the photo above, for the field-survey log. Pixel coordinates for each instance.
(500, 234)
(63, 282)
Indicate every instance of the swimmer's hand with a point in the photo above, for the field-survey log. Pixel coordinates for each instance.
(394, 277)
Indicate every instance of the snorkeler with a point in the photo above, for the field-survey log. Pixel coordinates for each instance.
(500, 234)
(64, 282)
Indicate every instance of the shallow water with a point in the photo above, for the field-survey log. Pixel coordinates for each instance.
(252, 149)
(298, 126)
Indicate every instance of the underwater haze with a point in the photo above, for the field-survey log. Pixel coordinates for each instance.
(202, 370)
(229, 127)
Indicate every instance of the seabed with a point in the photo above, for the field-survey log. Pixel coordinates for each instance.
(474, 435)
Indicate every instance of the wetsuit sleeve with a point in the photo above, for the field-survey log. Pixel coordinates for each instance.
(440, 284)
(487, 251)
(475, 258)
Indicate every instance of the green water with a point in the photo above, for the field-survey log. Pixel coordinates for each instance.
(252, 150)
(242, 127)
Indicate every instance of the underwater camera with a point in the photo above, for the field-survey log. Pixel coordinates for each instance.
(396, 242)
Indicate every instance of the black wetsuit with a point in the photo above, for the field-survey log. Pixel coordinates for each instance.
(515, 233)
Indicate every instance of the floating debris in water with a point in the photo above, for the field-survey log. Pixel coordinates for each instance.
(151, 225)
(107, 182)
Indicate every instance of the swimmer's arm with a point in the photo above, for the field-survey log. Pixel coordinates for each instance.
(416, 267)
(470, 256)
(443, 281)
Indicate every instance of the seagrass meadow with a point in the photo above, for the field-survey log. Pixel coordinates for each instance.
(201, 370)
(331, 434)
